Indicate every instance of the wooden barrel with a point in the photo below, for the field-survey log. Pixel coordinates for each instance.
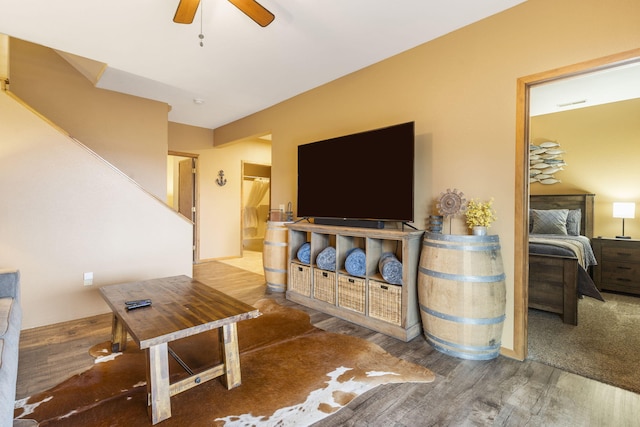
(274, 255)
(462, 294)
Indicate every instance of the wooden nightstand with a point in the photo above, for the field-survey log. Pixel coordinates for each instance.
(618, 266)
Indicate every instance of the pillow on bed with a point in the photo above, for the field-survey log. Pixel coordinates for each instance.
(553, 221)
(530, 220)
(573, 222)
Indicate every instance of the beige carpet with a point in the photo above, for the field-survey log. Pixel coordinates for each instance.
(293, 374)
(605, 345)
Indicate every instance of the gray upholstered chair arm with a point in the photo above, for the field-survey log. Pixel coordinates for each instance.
(9, 283)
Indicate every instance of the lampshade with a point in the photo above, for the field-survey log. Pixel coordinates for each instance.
(624, 210)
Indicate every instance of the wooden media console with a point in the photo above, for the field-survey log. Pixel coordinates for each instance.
(366, 300)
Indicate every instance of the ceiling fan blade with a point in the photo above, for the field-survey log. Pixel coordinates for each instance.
(254, 10)
(186, 11)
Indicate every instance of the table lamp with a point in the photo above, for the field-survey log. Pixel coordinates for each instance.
(624, 210)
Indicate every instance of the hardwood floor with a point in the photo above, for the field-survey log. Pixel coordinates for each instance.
(50, 354)
(500, 392)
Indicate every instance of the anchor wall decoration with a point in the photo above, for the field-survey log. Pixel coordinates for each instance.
(221, 180)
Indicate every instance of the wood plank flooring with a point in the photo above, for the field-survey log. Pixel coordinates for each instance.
(500, 392)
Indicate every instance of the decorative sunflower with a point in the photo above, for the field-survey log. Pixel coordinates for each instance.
(451, 202)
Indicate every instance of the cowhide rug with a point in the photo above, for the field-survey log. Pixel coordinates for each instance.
(293, 374)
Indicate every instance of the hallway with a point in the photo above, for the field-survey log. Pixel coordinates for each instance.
(250, 261)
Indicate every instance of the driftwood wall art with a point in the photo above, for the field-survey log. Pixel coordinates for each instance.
(545, 159)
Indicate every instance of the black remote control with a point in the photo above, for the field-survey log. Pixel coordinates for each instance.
(132, 305)
(138, 301)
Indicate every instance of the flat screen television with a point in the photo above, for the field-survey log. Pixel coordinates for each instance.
(363, 176)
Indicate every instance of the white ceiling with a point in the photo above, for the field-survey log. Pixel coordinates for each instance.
(242, 68)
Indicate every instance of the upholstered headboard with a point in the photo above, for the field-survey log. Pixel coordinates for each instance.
(584, 202)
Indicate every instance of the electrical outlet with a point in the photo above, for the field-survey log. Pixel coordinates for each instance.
(88, 279)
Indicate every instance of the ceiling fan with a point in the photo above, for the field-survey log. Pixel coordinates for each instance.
(254, 10)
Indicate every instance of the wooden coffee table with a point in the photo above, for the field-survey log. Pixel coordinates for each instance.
(181, 307)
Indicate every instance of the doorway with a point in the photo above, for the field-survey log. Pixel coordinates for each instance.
(256, 200)
(182, 190)
(524, 86)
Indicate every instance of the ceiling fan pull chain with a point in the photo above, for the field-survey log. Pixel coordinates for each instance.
(201, 36)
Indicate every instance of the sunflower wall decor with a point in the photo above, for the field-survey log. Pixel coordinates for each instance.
(451, 202)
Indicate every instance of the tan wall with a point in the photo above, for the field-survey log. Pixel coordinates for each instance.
(602, 148)
(221, 207)
(461, 91)
(66, 212)
(129, 132)
(220, 231)
(185, 138)
(4, 59)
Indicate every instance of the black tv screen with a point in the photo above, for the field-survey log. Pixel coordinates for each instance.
(368, 175)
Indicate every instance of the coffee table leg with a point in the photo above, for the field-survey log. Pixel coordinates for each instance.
(230, 355)
(159, 403)
(118, 335)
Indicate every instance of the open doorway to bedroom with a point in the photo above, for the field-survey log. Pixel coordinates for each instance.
(529, 125)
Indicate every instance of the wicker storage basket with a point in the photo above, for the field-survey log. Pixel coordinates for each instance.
(351, 293)
(385, 301)
(300, 279)
(324, 285)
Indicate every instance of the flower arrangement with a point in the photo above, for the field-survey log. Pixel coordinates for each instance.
(480, 213)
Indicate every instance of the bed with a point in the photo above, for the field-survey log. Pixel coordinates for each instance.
(559, 260)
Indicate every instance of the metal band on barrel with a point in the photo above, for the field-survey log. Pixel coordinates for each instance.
(268, 243)
(464, 320)
(462, 277)
(463, 247)
(435, 342)
(275, 270)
